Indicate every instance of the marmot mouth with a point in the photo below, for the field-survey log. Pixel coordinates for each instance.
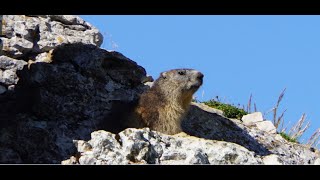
(196, 85)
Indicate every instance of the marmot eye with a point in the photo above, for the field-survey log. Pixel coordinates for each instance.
(181, 73)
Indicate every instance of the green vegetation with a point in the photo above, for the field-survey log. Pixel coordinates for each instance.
(229, 111)
(293, 134)
(288, 138)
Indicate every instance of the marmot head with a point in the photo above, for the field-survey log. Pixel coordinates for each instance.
(182, 80)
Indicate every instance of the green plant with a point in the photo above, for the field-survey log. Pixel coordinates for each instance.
(229, 111)
(292, 135)
(288, 138)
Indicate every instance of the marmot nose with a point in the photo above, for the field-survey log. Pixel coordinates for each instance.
(200, 75)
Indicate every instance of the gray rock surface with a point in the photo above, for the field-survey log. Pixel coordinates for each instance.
(30, 35)
(142, 146)
(8, 69)
(53, 93)
(272, 160)
(215, 139)
(251, 119)
(213, 126)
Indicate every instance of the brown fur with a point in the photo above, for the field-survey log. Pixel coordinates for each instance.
(163, 106)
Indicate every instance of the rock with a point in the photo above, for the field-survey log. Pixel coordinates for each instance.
(252, 118)
(57, 87)
(9, 156)
(9, 68)
(16, 46)
(271, 160)
(2, 89)
(1, 43)
(45, 57)
(73, 94)
(208, 124)
(1, 46)
(317, 161)
(72, 160)
(142, 146)
(25, 35)
(279, 138)
(201, 123)
(149, 84)
(82, 146)
(266, 126)
(105, 150)
(81, 76)
(207, 108)
(147, 79)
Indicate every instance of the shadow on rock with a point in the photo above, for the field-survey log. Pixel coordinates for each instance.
(63, 100)
(209, 125)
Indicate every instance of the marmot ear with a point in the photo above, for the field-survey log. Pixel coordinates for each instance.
(163, 75)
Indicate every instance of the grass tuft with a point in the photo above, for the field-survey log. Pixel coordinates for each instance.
(288, 138)
(229, 110)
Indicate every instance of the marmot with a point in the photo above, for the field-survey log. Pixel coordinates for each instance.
(162, 107)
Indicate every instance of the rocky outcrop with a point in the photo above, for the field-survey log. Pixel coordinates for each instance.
(259, 136)
(58, 92)
(27, 36)
(142, 146)
(51, 93)
(210, 139)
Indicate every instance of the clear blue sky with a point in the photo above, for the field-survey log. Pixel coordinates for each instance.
(238, 55)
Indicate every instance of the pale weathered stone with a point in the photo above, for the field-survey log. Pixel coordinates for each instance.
(45, 57)
(1, 43)
(317, 161)
(142, 146)
(266, 126)
(36, 34)
(149, 84)
(251, 119)
(16, 47)
(82, 146)
(9, 68)
(72, 160)
(279, 138)
(271, 160)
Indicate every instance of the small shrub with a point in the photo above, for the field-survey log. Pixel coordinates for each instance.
(288, 138)
(229, 111)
